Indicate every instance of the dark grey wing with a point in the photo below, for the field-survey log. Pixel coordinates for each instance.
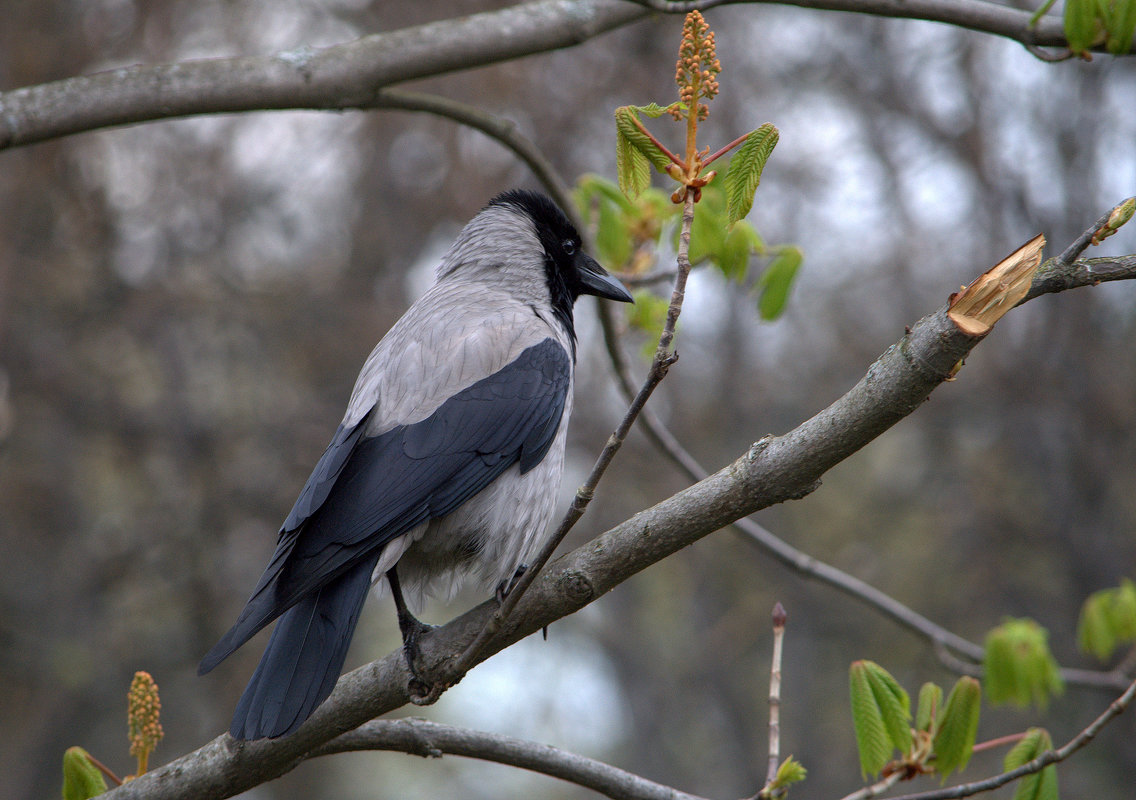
(388, 484)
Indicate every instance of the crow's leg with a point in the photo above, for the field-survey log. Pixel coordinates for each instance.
(411, 629)
(504, 587)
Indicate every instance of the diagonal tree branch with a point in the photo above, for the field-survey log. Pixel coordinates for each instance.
(774, 469)
(433, 740)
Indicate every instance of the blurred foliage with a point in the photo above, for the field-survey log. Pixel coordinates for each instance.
(1018, 666)
(1108, 620)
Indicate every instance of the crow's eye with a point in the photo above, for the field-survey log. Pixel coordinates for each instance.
(569, 247)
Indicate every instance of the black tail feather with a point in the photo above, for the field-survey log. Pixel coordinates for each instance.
(303, 659)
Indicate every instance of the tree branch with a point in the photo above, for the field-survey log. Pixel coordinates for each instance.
(341, 77)
(351, 75)
(433, 740)
(773, 470)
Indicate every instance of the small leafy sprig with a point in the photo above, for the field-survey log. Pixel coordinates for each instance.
(637, 149)
(84, 776)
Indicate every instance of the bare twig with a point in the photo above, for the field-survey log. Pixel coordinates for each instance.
(1082, 242)
(779, 619)
(433, 740)
(1115, 709)
(876, 789)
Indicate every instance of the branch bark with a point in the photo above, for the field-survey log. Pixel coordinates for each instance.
(772, 470)
(351, 75)
(433, 740)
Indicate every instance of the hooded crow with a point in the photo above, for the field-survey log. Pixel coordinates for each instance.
(447, 463)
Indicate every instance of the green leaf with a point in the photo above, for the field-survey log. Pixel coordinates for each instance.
(595, 189)
(1080, 24)
(613, 240)
(777, 280)
(958, 725)
(881, 714)
(744, 173)
(631, 166)
(791, 771)
(1120, 24)
(741, 242)
(1095, 634)
(1041, 785)
(928, 707)
(625, 119)
(1108, 619)
(81, 778)
(653, 109)
(1018, 666)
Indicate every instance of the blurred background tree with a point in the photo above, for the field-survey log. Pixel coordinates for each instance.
(184, 306)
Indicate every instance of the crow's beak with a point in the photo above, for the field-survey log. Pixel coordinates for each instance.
(594, 279)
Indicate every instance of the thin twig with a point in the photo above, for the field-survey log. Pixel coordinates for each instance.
(434, 740)
(876, 789)
(1082, 242)
(1115, 709)
(779, 619)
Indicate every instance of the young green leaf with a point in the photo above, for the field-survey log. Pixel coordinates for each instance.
(631, 166)
(594, 189)
(791, 771)
(1080, 24)
(1108, 619)
(81, 779)
(708, 233)
(871, 736)
(744, 173)
(736, 250)
(880, 714)
(1041, 785)
(625, 119)
(895, 706)
(777, 280)
(958, 725)
(1095, 634)
(1018, 666)
(928, 707)
(1120, 24)
(653, 110)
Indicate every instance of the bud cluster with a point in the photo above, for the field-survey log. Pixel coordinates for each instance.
(143, 710)
(696, 72)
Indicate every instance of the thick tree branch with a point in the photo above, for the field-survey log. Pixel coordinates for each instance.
(775, 469)
(433, 740)
(341, 77)
(351, 75)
